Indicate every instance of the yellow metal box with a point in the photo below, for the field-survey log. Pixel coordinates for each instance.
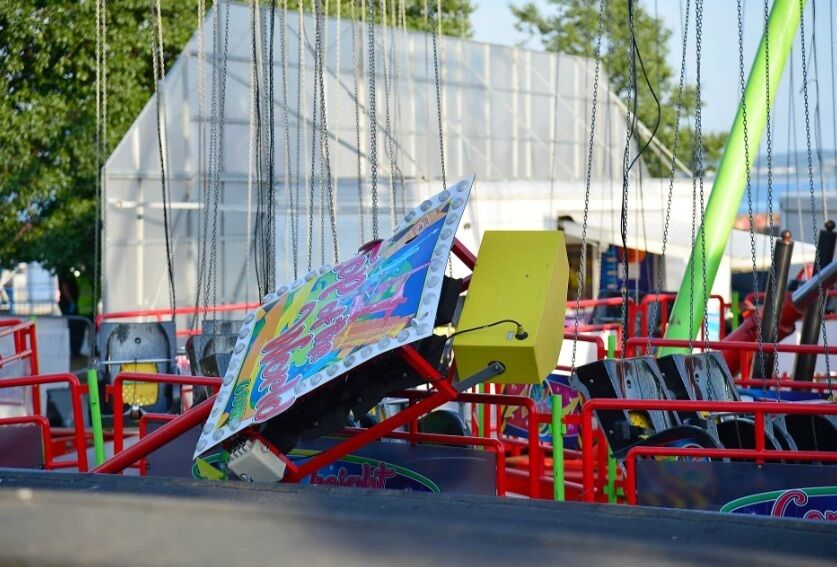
(520, 275)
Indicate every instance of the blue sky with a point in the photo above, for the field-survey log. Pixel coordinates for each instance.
(494, 23)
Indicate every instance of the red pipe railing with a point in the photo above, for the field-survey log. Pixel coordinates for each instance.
(115, 390)
(76, 390)
(25, 341)
(757, 409)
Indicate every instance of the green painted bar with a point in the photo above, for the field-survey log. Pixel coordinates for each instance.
(558, 447)
(96, 415)
(731, 179)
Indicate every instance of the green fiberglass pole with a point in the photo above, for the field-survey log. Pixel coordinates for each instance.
(96, 415)
(731, 179)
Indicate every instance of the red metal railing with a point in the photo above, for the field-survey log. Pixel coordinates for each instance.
(757, 409)
(25, 342)
(76, 391)
(165, 314)
(115, 391)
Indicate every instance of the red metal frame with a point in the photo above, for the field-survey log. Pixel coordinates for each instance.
(76, 390)
(165, 314)
(757, 409)
(115, 390)
(25, 342)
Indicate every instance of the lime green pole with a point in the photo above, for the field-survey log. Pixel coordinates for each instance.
(736, 310)
(731, 179)
(611, 346)
(95, 415)
(558, 447)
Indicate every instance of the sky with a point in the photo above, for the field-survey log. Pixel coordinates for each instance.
(494, 23)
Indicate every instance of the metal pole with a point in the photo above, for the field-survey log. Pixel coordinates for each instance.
(774, 299)
(811, 325)
(730, 181)
(95, 415)
(557, 447)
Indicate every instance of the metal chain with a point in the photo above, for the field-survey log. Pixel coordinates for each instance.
(300, 123)
(373, 125)
(356, 81)
(699, 161)
(325, 159)
(219, 165)
(314, 141)
(283, 40)
(678, 113)
(101, 150)
(747, 164)
(158, 64)
(271, 189)
(774, 332)
(817, 260)
(385, 63)
(435, 32)
(582, 275)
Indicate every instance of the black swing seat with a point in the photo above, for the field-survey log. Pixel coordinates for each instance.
(629, 378)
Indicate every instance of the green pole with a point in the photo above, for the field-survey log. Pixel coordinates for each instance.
(96, 415)
(736, 310)
(611, 346)
(558, 447)
(731, 179)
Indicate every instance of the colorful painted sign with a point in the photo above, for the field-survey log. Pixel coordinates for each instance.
(336, 318)
(516, 418)
(806, 491)
(815, 503)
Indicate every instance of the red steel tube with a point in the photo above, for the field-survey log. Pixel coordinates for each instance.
(159, 313)
(115, 390)
(147, 445)
(76, 389)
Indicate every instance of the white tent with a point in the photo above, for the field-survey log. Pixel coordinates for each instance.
(512, 116)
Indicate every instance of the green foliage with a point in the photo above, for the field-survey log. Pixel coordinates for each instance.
(573, 28)
(48, 114)
(48, 117)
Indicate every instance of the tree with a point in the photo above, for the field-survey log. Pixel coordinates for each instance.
(573, 29)
(48, 114)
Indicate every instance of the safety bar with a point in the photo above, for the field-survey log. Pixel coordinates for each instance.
(115, 390)
(76, 390)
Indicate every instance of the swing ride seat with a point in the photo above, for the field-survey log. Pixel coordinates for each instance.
(706, 376)
(210, 351)
(629, 378)
(140, 347)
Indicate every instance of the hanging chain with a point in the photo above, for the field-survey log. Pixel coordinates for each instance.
(817, 260)
(373, 121)
(356, 81)
(101, 142)
(680, 104)
(582, 268)
(774, 332)
(325, 160)
(437, 30)
(219, 165)
(271, 189)
(386, 67)
(159, 67)
(756, 313)
(300, 124)
(283, 40)
(699, 161)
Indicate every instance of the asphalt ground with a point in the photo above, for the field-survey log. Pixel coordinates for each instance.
(83, 519)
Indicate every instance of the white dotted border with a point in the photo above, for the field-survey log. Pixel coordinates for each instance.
(420, 327)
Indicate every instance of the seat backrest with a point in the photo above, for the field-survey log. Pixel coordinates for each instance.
(698, 376)
(138, 342)
(629, 378)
